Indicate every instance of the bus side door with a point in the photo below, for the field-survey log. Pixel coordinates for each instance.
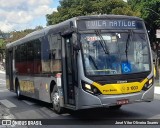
(68, 70)
(10, 70)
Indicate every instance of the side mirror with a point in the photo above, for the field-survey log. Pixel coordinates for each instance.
(76, 45)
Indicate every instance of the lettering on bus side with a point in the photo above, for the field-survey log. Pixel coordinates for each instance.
(27, 86)
(110, 90)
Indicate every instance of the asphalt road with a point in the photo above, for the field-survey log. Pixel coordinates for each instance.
(33, 109)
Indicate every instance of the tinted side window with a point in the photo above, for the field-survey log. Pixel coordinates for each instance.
(23, 53)
(30, 51)
(21, 59)
(37, 57)
(55, 52)
(17, 54)
(45, 56)
(37, 50)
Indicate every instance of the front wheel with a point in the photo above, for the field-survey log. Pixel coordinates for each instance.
(55, 97)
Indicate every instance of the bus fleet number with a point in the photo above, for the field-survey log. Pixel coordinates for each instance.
(132, 88)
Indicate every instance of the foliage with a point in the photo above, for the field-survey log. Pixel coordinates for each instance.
(2, 43)
(15, 35)
(146, 9)
(2, 46)
(73, 8)
(150, 12)
(12, 36)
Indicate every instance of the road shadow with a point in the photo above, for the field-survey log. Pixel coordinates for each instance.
(104, 113)
(90, 116)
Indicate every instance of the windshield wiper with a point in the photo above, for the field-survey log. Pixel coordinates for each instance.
(102, 42)
(91, 59)
(127, 44)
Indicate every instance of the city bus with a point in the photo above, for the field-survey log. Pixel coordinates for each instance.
(84, 62)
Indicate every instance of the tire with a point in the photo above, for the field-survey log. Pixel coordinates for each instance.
(56, 100)
(18, 91)
(116, 107)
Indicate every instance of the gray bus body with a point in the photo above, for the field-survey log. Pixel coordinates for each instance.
(55, 56)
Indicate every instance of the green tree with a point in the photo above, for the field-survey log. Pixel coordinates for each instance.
(15, 35)
(2, 46)
(150, 12)
(2, 43)
(73, 8)
(2, 40)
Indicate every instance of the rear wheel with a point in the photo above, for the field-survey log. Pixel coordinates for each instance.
(55, 97)
(18, 91)
(116, 107)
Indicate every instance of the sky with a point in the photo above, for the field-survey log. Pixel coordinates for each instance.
(18, 15)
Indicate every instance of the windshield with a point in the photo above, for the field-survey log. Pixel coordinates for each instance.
(115, 53)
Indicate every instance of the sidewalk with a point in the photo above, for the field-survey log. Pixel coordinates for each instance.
(157, 90)
(157, 86)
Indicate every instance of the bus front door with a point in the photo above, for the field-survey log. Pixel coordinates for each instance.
(69, 72)
(10, 63)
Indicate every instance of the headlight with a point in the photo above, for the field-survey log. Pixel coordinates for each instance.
(90, 89)
(148, 84)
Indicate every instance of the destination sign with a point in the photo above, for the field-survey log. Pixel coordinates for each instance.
(111, 24)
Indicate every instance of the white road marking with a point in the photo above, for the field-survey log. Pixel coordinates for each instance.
(9, 117)
(30, 114)
(65, 114)
(155, 117)
(49, 112)
(7, 103)
(2, 72)
(4, 90)
(2, 80)
(2, 83)
(28, 102)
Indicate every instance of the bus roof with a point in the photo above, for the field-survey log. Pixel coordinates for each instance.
(48, 29)
(108, 17)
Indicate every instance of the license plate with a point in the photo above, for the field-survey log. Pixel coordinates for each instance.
(123, 101)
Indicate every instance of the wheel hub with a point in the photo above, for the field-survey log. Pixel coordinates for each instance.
(56, 98)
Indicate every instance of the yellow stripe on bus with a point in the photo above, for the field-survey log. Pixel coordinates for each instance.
(123, 88)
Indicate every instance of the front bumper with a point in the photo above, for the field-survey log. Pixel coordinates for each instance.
(87, 100)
